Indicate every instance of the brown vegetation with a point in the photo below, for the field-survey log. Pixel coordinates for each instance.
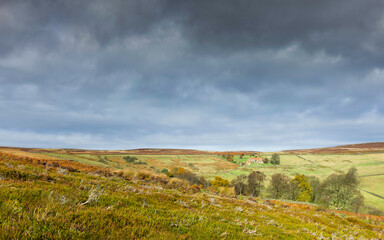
(377, 147)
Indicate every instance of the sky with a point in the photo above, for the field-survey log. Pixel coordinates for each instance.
(258, 75)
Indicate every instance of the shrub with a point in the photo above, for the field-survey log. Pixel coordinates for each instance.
(144, 175)
(166, 172)
(102, 160)
(129, 159)
(127, 175)
(139, 163)
(188, 176)
(220, 182)
(178, 183)
(195, 188)
(161, 178)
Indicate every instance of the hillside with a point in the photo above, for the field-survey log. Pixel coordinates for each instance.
(376, 147)
(46, 199)
(321, 163)
(141, 151)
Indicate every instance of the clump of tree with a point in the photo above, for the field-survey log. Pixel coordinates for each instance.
(133, 160)
(256, 183)
(240, 185)
(251, 185)
(275, 159)
(129, 159)
(279, 186)
(340, 191)
(265, 160)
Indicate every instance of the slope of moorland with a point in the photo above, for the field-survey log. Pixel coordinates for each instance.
(375, 147)
(367, 158)
(60, 199)
(142, 151)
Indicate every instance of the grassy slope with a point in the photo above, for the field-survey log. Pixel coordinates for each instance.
(44, 201)
(320, 165)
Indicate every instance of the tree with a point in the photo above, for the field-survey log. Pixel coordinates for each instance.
(256, 183)
(340, 191)
(265, 160)
(303, 187)
(316, 187)
(350, 178)
(240, 184)
(358, 203)
(293, 190)
(275, 159)
(279, 185)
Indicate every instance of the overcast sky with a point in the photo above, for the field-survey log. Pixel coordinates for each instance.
(213, 75)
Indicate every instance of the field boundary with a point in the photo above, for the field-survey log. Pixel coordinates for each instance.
(371, 175)
(373, 194)
(305, 159)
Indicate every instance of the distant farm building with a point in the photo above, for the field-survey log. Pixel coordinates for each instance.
(254, 160)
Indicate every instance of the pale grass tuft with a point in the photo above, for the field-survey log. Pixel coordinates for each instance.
(94, 195)
(62, 171)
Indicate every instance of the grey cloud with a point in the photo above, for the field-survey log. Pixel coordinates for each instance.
(217, 74)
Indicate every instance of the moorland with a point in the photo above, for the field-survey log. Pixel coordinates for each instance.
(72, 193)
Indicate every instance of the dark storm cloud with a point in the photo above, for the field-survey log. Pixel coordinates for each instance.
(348, 28)
(199, 74)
